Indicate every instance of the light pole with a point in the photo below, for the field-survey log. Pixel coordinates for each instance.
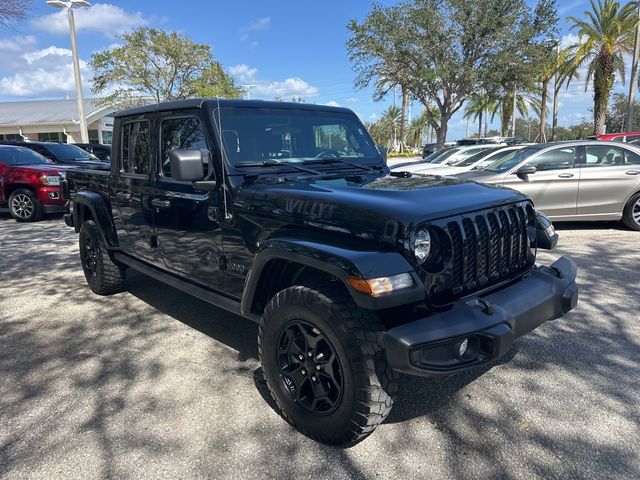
(556, 90)
(69, 4)
(247, 89)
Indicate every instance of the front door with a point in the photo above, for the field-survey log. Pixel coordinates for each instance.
(188, 223)
(131, 188)
(554, 186)
(609, 176)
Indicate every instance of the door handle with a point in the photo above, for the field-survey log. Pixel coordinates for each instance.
(157, 202)
(123, 196)
(566, 175)
(633, 172)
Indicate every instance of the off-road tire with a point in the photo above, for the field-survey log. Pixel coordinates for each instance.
(627, 217)
(356, 335)
(107, 277)
(35, 207)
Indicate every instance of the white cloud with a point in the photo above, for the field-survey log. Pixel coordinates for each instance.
(287, 88)
(101, 17)
(39, 72)
(352, 100)
(332, 103)
(260, 24)
(374, 117)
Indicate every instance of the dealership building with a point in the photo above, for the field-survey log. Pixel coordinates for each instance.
(54, 121)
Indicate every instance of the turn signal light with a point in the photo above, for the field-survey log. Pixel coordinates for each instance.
(378, 286)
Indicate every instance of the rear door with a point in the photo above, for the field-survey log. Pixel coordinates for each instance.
(131, 187)
(554, 186)
(610, 174)
(188, 221)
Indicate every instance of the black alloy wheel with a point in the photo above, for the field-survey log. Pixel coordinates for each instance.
(309, 368)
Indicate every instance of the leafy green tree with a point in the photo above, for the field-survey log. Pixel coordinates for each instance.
(416, 130)
(381, 57)
(442, 50)
(618, 111)
(605, 36)
(11, 10)
(158, 64)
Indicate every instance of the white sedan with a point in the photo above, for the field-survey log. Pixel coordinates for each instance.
(448, 157)
(481, 160)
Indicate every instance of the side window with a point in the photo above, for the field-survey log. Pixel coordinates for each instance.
(631, 158)
(135, 148)
(181, 133)
(632, 138)
(603, 156)
(557, 159)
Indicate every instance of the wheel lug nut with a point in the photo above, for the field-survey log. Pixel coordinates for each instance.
(318, 367)
(300, 357)
(303, 371)
(313, 378)
(310, 354)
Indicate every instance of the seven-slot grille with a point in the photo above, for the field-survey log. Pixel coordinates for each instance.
(487, 248)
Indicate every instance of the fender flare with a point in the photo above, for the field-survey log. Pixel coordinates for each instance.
(339, 262)
(101, 215)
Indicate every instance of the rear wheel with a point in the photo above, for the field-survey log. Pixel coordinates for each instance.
(631, 216)
(103, 275)
(24, 206)
(324, 364)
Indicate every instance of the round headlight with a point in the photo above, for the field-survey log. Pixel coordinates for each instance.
(422, 245)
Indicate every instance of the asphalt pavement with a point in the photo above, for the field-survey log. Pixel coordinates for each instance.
(152, 383)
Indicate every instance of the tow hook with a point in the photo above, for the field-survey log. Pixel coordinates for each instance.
(485, 306)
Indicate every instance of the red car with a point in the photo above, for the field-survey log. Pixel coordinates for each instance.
(29, 184)
(619, 137)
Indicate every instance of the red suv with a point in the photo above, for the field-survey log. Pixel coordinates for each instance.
(29, 184)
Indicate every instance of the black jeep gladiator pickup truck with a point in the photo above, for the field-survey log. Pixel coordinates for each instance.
(287, 214)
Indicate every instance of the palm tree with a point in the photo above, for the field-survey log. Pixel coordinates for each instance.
(605, 36)
(503, 105)
(479, 105)
(390, 123)
(416, 130)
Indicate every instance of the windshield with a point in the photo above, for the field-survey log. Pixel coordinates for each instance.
(431, 157)
(65, 151)
(287, 135)
(469, 153)
(444, 155)
(21, 156)
(504, 155)
(509, 161)
(474, 158)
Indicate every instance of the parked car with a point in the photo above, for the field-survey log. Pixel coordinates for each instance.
(619, 137)
(102, 152)
(581, 180)
(428, 149)
(353, 274)
(62, 154)
(480, 160)
(29, 184)
(448, 158)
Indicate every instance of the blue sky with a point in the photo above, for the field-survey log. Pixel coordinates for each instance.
(286, 48)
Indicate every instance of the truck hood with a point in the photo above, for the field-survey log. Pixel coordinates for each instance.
(382, 208)
(45, 168)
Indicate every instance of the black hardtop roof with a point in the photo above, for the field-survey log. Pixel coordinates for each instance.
(223, 102)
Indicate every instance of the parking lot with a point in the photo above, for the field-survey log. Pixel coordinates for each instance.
(153, 383)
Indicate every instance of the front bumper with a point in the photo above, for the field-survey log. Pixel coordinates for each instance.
(432, 346)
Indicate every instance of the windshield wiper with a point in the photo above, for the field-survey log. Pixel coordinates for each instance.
(275, 163)
(338, 160)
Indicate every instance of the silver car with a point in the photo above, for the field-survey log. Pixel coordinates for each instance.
(582, 180)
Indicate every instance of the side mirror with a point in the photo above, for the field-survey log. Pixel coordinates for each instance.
(524, 171)
(383, 151)
(546, 236)
(186, 165)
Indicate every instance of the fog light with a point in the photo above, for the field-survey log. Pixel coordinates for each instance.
(463, 347)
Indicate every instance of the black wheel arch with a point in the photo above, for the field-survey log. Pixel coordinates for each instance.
(284, 262)
(92, 206)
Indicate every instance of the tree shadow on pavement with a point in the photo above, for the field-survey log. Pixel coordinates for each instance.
(114, 386)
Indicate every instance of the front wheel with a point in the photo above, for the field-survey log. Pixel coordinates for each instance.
(24, 206)
(103, 275)
(631, 216)
(323, 362)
